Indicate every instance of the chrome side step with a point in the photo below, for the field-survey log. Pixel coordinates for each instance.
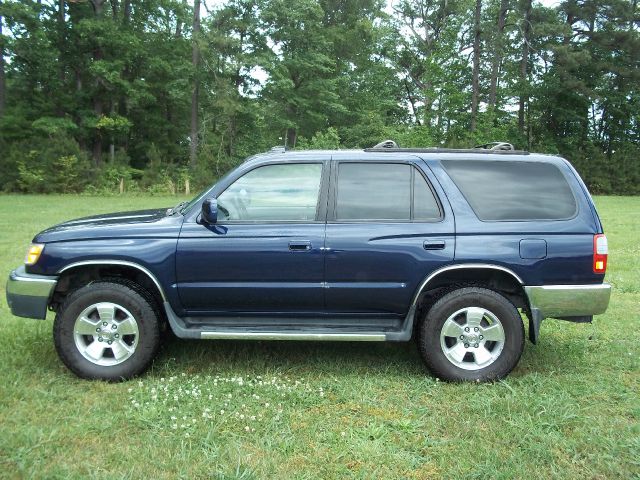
(369, 330)
(328, 336)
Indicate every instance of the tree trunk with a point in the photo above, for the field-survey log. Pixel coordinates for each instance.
(195, 95)
(2, 80)
(60, 103)
(524, 66)
(412, 102)
(475, 82)
(497, 55)
(97, 96)
(126, 12)
(292, 136)
(179, 22)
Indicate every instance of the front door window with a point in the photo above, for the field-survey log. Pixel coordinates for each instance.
(273, 193)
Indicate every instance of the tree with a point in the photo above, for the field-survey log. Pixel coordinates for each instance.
(524, 64)
(475, 83)
(195, 94)
(3, 86)
(498, 48)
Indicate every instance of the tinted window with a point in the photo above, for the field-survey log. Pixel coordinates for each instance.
(425, 206)
(504, 190)
(383, 191)
(286, 192)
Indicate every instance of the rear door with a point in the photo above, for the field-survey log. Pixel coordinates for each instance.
(389, 225)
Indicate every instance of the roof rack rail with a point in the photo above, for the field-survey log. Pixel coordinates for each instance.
(487, 148)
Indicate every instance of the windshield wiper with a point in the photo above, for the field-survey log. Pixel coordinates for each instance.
(176, 209)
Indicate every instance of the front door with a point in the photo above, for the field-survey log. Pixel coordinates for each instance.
(386, 231)
(265, 253)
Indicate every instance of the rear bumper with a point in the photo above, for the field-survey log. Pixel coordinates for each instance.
(28, 295)
(569, 300)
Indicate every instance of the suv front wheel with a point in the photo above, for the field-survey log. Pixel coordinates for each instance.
(107, 331)
(471, 334)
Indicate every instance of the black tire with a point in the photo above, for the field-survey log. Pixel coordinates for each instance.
(432, 350)
(142, 308)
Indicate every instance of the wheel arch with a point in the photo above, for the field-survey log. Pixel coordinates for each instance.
(495, 277)
(78, 274)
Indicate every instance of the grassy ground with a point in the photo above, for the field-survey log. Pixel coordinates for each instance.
(323, 410)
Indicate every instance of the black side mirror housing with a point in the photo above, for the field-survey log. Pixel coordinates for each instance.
(210, 211)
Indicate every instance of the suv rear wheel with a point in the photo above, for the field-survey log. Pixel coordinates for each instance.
(107, 331)
(471, 334)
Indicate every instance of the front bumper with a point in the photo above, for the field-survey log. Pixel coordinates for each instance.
(562, 301)
(28, 295)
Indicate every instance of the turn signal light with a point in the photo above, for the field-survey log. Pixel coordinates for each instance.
(33, 254)
(600, 252)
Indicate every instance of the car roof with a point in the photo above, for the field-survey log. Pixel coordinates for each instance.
(376, 154)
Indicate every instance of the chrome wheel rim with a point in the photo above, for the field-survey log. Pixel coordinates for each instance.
(106, 334)
(472, 338)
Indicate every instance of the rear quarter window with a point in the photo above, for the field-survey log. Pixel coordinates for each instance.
(516, 191)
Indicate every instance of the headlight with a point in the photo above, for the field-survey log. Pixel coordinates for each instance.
(33, 254)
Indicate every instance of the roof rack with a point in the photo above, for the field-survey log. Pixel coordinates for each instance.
(487, 148)
(496, 146)
(386, 144)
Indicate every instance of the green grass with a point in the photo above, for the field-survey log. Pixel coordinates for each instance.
(323, 410)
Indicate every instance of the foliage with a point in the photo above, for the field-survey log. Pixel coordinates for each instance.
(46, 165)
(329, 140)
(117, 79)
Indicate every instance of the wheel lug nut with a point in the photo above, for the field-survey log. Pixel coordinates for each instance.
(481, 337)
(117, 335)
(98, 329)
(99, 339)
(476, 345)
(466, 345)
(110, 342)
(461, 337)
(104, 324)
(466, 329)
(114, 326)
(476, 329)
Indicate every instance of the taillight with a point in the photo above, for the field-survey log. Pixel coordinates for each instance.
(600, 252)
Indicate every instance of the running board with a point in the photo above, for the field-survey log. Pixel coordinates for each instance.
(367, 330)
(327, 336)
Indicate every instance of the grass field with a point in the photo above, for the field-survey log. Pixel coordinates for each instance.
(233, 409)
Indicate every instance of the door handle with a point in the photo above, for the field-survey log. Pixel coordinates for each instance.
(434, 244)
(300, 246)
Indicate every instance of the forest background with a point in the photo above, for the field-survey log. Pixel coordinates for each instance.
(163, 96)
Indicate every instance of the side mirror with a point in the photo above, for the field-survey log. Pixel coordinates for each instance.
(210, 210)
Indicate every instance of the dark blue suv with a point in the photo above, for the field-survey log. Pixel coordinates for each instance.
(450, 247)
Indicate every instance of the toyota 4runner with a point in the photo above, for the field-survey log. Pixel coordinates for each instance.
(450, 247)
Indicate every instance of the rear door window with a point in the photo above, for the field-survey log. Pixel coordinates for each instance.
(507, 190)
(384, 191)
